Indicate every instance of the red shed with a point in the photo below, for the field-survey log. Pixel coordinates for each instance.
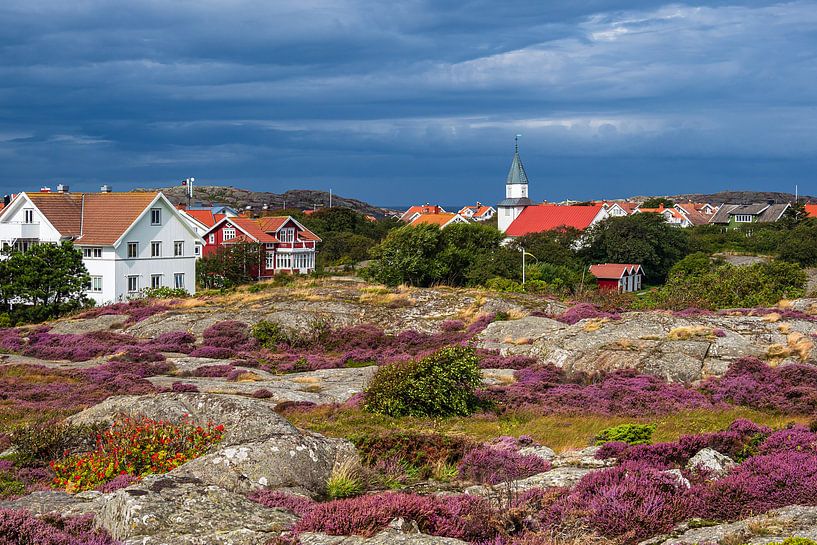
(623, 277)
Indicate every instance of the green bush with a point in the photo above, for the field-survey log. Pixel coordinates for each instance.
(166, 293)
(441, 384)
(795, 541)
(504, 284)
(269, 334)
(10, 486)
(632, 434)
(39, 443)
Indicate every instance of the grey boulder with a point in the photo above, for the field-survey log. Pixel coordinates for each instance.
(712, 462)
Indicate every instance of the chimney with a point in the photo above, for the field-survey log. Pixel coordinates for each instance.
(6, 200)
(62, 188)
(44, 189)
(105, 189)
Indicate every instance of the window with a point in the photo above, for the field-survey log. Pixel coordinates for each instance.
(507, 212)
(287, 235)
(197, 249)
(743, 218)
(94, 253)
(133, 249)
(155, 281)
(28, 215)
(212, 239)
(95, 284)
(178, 248)
(229, 233)
(156, 249)
(155, 216)
(283, 261)
(270, 261)
(178, 281)
(133, 284)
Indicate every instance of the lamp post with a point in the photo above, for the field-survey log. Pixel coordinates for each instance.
(524, 253)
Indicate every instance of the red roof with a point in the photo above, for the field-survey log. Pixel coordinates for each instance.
(252, 228)
(811, 210)
(546, 217)
(264, 229)
(613, 271)
(205, 217)
(423, 209)
(433, 219)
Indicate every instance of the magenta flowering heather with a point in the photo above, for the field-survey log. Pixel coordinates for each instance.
(583, 311)
(300, 505)
(18, 526)
(495, 465)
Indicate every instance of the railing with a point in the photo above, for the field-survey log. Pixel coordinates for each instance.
(19, 229)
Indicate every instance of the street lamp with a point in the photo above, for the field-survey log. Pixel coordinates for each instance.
(524, 253)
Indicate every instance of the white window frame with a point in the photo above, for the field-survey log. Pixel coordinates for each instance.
(28, 215)
(178, 248)
(197, 249)
(135, 280)
(95, 284)
(283, 261)
(92, 253)
(743, 218)
(155, 248)
(212, 238)
(287, 235)
(270, 261)
(228, 233)
(178, 281)
(155, 281)
(135, 247)
(155, 216)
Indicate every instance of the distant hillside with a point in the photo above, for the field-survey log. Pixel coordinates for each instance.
(242, 198)
(739, 197)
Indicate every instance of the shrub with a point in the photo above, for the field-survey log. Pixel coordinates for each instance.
(464, 517)
(262, 393)
(173, 341)
(492, 466)
(22, 527)
(166, 293)
(441, 384)
(182, 387)
(135, 447)
(583, 311)
(220, 371)
(344, 482)
(229, 334)
(795, 541)
(632, 434)
(39, 443)
(270, 334)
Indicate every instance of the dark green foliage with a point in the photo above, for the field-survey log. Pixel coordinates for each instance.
(632, 434)
(715, 285)
(50, 278)
(408, 255)
(347, 235)
(10, 486)
(554, 247)
(658, 202)
(270, 334)
(39, 443)
(646, 239)
(230, 266)
(441, 384)
(417, 450)
(795, 541)
(801, 244)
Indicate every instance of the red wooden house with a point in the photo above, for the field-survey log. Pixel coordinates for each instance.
(287, 246)
(623, 277)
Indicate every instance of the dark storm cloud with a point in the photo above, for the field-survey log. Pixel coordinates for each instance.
(411, 100)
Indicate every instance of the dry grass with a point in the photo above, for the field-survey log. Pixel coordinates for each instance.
(684, 333)
(594, 324)
(797, 345)
(559, 432)
(391, 300)
(772, 317)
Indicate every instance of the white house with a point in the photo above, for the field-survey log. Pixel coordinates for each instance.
(516, 193)
(129, 241)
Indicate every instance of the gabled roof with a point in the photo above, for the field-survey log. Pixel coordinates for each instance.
(108, 216)
(264, 229)
(253, 229)
(773, 213)
(811, 210)
(482, 210)
(62, 210)
(545, 217)
(421, 209)
(722, 215)
(440, 220)
(205, 217)
(749, 209)
(614, 271)
(694, 213)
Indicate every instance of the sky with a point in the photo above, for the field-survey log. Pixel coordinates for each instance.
(410, 101)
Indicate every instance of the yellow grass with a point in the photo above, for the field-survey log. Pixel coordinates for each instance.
(684, 333)
(559, 432)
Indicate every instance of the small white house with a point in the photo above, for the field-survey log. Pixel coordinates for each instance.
(129, 241)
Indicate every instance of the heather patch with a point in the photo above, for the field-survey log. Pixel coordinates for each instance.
(136, 310)
(494, 465)
(19, 527)
(458, 516)
(584, 311)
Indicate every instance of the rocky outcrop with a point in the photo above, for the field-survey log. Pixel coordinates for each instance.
(711, 462)
(387, 537)
(245, 419)
(675, 348)
(774, 526)
(295, 463)
(169, 509)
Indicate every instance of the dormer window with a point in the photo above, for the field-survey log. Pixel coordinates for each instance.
(287, 235)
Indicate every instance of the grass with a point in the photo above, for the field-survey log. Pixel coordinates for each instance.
(558, 432)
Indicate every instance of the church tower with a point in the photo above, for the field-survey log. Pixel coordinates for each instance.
(516, 192)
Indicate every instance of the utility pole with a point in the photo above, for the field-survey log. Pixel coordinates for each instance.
(523, 266)
(330, 197)
(188, 185)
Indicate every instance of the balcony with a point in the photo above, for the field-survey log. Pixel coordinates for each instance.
(16, 230)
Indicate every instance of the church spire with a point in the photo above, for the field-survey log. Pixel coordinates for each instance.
(517, 173)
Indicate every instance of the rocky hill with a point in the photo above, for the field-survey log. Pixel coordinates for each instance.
(304, 199)
(740, 197)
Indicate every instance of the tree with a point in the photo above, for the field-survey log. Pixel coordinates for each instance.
(408, 255)
(556, 246)
(800, 244)
(229, 266)
(347, 235)
(645, 239)
(794, 215)
(658, 202)
(464, 245)
(49, 280)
